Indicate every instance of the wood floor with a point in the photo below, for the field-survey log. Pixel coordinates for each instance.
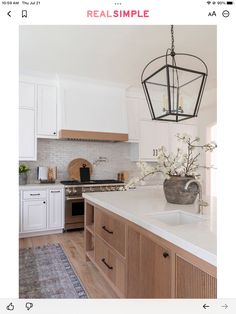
(73, 245)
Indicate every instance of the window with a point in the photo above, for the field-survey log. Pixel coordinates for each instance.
(211, 160)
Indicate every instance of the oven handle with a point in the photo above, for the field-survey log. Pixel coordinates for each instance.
(74, 198)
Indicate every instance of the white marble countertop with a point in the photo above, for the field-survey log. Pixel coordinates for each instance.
(198, 238)
(56, 185)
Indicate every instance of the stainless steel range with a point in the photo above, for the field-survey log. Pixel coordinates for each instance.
(74, 202)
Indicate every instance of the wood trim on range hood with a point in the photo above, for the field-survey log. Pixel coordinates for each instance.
(91, 135)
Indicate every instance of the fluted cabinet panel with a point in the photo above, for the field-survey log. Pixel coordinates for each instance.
(192, 282)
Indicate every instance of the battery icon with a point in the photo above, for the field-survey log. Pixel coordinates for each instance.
(229, 2)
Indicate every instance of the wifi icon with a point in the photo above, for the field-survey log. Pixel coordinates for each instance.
(208, 2)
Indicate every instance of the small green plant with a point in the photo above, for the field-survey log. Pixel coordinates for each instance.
(23, 168)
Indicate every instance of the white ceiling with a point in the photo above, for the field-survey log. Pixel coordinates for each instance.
(110, 53)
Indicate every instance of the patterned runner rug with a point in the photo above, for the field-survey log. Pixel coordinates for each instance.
(45, 272)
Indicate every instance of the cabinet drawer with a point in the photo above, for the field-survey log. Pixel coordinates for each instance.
(34, 194)
(111, 230)
(110, 264)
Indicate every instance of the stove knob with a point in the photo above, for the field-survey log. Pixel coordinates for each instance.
(68, 191)
(74, 191)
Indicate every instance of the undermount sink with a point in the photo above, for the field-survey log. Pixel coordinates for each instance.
(175, 218)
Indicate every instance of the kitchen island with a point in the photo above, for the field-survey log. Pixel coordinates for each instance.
(146, 247)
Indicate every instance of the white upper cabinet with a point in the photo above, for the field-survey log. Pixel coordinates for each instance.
(133, 115)
(27, 129)
(137, 110)
(153, 135)
(27, 95)
(174, 129)
(27, 136)
(46, 111)
(89, 106)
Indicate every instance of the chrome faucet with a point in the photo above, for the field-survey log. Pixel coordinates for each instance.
(201, 203)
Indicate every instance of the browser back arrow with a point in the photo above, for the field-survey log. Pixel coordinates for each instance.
(205, 306)
(9, 13)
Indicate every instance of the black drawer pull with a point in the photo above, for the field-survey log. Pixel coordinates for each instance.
(104, 228)
(104, 262)
(34, 194)
(165, 254)
(55, 191)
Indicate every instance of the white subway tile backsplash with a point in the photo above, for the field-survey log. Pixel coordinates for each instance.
(59, 153)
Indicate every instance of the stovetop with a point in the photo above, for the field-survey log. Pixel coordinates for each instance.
(95, 182)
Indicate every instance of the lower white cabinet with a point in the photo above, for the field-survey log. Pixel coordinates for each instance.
(34, 215)
(41, 211)
(55, 209)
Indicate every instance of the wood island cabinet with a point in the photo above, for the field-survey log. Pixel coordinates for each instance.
(139, 264)
(149, 267)
(193, 282)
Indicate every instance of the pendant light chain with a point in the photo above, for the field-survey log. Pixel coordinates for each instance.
(172, 41)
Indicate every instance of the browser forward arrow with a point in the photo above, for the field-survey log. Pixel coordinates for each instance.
(225, 306)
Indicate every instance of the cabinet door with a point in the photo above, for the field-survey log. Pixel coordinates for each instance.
(34, 216)
(111, 230)
(27, 136)
(174, 129)
(133, 114)
(137, 110)
(47, 111)
(110, 264)
(27, 95)
(149, 268)
(192, 282)
(153, 135)
(55, 209)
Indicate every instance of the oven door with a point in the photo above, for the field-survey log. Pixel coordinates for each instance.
(74, 213)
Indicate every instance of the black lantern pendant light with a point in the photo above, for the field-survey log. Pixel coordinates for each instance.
(174, 90)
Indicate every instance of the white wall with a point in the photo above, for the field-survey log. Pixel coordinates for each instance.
(207, 117)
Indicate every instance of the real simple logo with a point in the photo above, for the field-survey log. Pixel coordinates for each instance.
(117, 12)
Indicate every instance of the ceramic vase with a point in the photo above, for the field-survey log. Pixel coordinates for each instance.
(175, 193)
(23, 178)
